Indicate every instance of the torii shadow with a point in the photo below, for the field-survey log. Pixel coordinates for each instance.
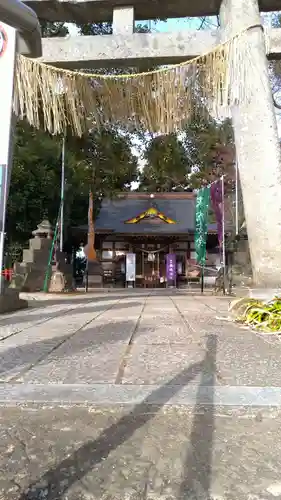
(197, 473)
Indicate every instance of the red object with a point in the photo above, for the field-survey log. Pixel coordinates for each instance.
(8, 274)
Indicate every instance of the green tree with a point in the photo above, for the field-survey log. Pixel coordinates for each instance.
(167, 165)
(35, 182)
(210, 148)
(51, 30)
(106, 28)
(104, 161)
(107, 166)
(201, 153)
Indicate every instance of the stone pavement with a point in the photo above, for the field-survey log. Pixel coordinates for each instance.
(137, 396)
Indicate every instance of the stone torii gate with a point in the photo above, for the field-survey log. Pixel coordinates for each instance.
(255, 127)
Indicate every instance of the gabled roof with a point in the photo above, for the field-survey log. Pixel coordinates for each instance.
(115, 214)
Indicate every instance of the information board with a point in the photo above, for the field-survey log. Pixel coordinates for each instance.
(131, 267)
(171, 270)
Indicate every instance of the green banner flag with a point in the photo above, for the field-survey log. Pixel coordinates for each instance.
(201, 224)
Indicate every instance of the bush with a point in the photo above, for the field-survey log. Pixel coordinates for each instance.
(264, 316)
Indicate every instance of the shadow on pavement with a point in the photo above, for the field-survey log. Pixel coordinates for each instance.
(113, 293)
(197, 474)
(92, 306)
(17, 360)
(85, 298)
(198, 462)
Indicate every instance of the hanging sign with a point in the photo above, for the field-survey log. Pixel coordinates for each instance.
(130, 267)
(171, 269)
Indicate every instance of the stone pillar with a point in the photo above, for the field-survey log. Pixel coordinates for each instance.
(257, 146)
(123, 21)
(62, 275)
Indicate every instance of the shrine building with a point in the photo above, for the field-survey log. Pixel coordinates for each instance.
(150, 226)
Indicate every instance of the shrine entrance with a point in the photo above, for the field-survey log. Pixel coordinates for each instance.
(151, 264)
(151, 227)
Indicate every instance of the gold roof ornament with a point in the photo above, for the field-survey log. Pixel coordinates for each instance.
(151, 213)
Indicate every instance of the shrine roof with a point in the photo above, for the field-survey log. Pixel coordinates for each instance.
(173, 213)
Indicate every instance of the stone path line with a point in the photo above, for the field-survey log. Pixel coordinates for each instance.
(137, 396)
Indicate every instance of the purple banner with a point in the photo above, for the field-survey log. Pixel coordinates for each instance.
(216, 199)
(171, 270)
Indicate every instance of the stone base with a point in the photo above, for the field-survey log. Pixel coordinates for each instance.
(34, 281)
(94, 281)
(60, 282)
(18, 281)
(57, 282)
(10, 301)
(94, 275)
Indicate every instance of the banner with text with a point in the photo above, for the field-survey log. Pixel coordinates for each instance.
(201, 224)
(171, 269)
(131, 267)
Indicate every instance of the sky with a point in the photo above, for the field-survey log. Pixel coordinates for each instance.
(164, 26)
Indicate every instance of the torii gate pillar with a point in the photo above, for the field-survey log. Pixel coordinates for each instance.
(7, 69)
(257, 147)
(9, 298)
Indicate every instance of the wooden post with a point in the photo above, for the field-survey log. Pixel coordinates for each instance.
(142, 271)
(202, 279)
(223, 235)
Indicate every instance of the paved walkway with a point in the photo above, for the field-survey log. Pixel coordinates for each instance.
(137, 396)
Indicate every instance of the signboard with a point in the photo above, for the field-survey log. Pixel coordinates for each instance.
(179, 267)
(171, 270)
(131, 267)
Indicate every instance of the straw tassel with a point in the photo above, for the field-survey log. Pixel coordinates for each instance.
(160, 101)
